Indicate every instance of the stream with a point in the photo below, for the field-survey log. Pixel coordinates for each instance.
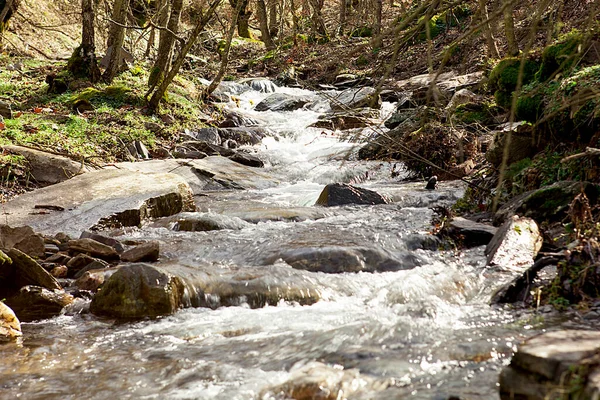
(426, 332)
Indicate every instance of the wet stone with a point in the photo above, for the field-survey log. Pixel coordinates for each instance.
(93, 248)
(338, 194)
(112, 242)
(24, 271)
(22, 238)
(10, 326)
(34, 303)
(146, 252)
(96, 264)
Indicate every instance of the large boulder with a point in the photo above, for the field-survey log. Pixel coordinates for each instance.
(515, 245)
(282, 102)
(336, 259)
(551, 364)
(108, 197)
(144, 252)
(10, 327)
(339, 194)
(138, 291)
(141, 291)
(47, 167)
(234, 119)
(356, 98)
(22, 238)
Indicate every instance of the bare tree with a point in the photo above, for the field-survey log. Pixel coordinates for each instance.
(7, 9)
(488, 31)
(265, 34)
(115, 39)
(242, 17)
(166, 41)
(159, 93)
(83, 62)
(377, 39)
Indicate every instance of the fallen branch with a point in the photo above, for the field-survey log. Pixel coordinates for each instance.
(589, 152)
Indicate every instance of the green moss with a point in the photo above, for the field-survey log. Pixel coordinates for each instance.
(505, 74)
(361, 61)
(561, 56)
(529, 108)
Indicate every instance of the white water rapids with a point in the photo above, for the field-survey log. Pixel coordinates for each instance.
(424, 333)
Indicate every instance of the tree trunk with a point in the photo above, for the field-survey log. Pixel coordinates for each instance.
(273, 28)
(83, 62)
(242, 17)
(178, 62)
(488, 31)
(509, 29)
(317, 19)
(377, 39)
(294, 22)
(10, 7)
(166, 42)
(343, 14)
(117, 36)
(264, 24)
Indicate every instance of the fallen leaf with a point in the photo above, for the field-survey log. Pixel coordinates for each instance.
(37, 110)
(2, 126)
(17, 114)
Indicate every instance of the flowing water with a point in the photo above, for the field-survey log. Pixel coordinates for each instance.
(423, 333)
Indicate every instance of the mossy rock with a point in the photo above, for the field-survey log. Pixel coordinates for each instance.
(436, 26)
(475, 113)
(504, 78)
(529, 108)
(561, 56)
(115, 96)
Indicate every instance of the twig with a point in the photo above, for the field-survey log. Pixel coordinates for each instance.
(589, 152)
(150, 25)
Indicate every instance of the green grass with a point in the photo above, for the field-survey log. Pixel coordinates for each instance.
(118, 117)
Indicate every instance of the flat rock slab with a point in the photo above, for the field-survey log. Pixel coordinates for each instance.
(210, 173)
(547, 364)
(110, 197)
(47, 167)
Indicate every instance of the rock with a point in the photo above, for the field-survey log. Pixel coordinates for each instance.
(204, 148)
(59, 258)
(338, 194)
(93, 279)
(208, 135)
(78, 262)
(549, 203)
(114, 243)
(94, 265)
(281, 102)
(400, 116)
(34, 303)
(247, 159)
(235, 119)
(10, 327)
(138, 291)
(260, 85)
(24, 271)
(153, 127)
(356, 98)
(472, 233)
(93, 248)
(462, 96)
(552, 363)
(515, 245)
(46, 167)
(145, 252)
(59, 271)
(344, 120)
(446, 83)
(431, 183)
(422, 241)
(104, 198)
(335, 260)
(233, 175)
(5, 110)
(194, 222)
(522, 144)
(22, 238)
(245, 135)
(319, 381)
